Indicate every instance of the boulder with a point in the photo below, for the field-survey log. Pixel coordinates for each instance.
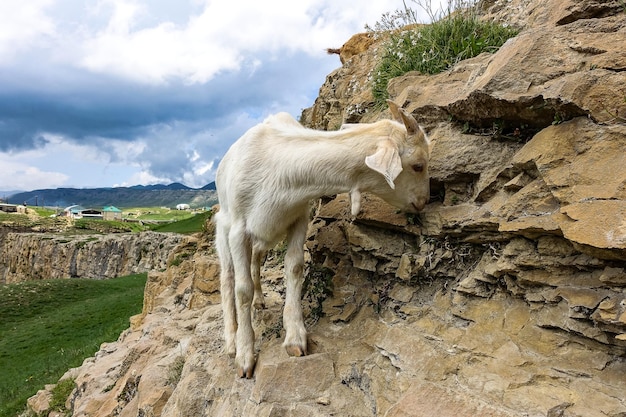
(545, 75)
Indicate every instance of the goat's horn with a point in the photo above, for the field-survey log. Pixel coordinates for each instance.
(400, 115)
(409, 121)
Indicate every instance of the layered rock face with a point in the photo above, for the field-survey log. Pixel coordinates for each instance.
(33, 256)
(505, 297)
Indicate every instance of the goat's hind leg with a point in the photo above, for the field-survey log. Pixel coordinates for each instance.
(295, 338)
(241, 250)
(227, 287)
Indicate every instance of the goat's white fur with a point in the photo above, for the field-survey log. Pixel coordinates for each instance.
(265, 183)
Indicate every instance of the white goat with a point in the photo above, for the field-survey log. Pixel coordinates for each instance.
(265, 183)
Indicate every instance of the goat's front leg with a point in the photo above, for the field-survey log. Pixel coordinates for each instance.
(241, 250)
(293, 322)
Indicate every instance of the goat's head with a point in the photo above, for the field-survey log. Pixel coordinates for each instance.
(403, 160)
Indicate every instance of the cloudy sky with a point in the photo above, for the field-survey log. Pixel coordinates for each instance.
(102, 93)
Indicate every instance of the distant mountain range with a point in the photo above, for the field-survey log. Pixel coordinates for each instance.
(158, 195)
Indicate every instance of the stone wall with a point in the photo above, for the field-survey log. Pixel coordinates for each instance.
(34, 256)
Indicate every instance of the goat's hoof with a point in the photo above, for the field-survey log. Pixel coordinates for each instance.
(245, 366)
(294, 350)
(246, 372)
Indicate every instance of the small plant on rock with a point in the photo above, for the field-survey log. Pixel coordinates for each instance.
(454, 35)
(318, 285)
(61, 391)
(175, 370)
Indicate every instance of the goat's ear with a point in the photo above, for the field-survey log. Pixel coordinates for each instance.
(386, 161)
(400, 115)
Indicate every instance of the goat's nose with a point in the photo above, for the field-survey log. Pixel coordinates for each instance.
(419, 204)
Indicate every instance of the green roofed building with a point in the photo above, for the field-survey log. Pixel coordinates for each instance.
(111, 213)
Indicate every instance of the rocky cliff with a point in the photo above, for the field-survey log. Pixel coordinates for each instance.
(505, 297)
(33, 256)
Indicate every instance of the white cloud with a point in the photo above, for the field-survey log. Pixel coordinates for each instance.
(62, 163)
(26, 177)
(142, 177)
(156, 54)
(147, 42)
(118, 151)
(153, 42)
(202, 168)
(224, 36)
(23, 25)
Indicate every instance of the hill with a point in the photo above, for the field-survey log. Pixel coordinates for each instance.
(135, 196)
(503, 298)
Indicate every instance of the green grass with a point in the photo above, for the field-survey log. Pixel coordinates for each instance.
(22, 220)
(108, 226)
(42, 211)
(190, 225)
(178, 221)
(47, 327)
(14, 218)
(430, 49)
(157, 213)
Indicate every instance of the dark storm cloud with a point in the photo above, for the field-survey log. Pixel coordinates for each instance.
(97, 107)
(185, 127)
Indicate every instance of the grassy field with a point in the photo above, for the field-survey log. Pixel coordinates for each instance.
(188, 225)
(159, 219)
(47, 327)
(24, 221)
(156, 214)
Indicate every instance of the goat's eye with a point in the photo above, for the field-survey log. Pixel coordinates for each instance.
(418, 167)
